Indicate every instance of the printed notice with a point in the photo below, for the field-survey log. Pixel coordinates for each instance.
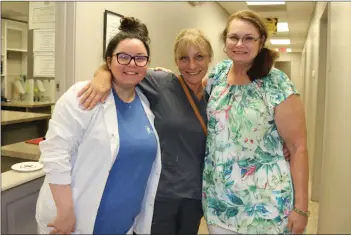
(44, 64)
(44, 40)
(41, 15)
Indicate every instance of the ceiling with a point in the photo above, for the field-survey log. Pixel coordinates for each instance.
(15, 10)
(297, 14)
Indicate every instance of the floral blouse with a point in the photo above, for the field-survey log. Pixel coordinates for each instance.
(247, 186)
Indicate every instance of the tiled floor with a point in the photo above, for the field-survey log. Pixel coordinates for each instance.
(311, 226)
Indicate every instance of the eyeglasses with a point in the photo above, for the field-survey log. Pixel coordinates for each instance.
(125, 59)
(246, 40)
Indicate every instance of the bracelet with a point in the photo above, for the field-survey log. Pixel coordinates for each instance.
(300, 212)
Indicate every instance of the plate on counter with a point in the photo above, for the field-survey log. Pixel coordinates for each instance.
(27, 166)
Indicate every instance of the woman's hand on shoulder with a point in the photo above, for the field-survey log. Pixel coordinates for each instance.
(204, 81)
(162, 69)
(97, 90)
(286, 152)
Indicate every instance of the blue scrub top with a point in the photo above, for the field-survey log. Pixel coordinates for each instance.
(125, 188)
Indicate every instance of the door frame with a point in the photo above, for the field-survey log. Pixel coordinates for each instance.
(65, 47)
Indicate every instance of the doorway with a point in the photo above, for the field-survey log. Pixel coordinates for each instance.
(284, 66)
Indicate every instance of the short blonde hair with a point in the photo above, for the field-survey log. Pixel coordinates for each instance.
(191, 37)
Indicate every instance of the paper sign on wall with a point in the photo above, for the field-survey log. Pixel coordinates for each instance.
(44, 64)
(41, 15)
(43, 40)
(271, 24)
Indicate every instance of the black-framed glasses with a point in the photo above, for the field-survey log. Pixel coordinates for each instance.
(125, 59)
(246, 40)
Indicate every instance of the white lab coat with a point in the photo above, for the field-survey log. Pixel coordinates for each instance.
(80, 149)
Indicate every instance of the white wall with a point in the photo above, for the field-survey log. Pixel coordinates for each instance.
(335, 188)
(164, 21)
(311, 80)
(335, 206)
(296, 69)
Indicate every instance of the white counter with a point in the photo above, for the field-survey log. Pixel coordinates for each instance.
(30, 152)
(21, 150)
(13, 117)
(26, 104)
(11, 178)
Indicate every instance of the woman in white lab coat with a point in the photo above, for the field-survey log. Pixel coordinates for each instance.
(102, 166)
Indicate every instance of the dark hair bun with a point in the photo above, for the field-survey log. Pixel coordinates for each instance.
(130, 28)
(132, 25)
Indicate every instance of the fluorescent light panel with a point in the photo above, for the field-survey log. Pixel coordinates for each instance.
(283, 27)
(264, 3)
(280, 41)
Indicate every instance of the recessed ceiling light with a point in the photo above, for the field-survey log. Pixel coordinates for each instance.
(280, 41)
(283, 27)
(265, 3)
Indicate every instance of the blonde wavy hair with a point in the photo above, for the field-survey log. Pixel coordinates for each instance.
(191, 37)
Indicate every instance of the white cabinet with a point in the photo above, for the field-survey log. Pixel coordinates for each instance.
(18, 208)
(14, 45)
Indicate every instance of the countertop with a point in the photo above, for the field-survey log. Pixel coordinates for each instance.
(12, 117)
(21, 150)
(26, 104)
(10, 179)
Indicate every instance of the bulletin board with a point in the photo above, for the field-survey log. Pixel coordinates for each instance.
(112, 21)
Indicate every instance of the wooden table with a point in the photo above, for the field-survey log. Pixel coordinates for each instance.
(26, 106)
(21, 126)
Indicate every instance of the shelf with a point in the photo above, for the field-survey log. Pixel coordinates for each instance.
(16, 50)
(14, 53)
(15, 74)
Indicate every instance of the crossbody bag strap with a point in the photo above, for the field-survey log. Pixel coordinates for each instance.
(192, 103)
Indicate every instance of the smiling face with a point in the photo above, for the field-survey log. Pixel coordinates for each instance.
(193, 64)
(193, 53)
(243, 41)
(128, 75)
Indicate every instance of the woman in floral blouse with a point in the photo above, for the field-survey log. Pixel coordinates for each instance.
(248, 186)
